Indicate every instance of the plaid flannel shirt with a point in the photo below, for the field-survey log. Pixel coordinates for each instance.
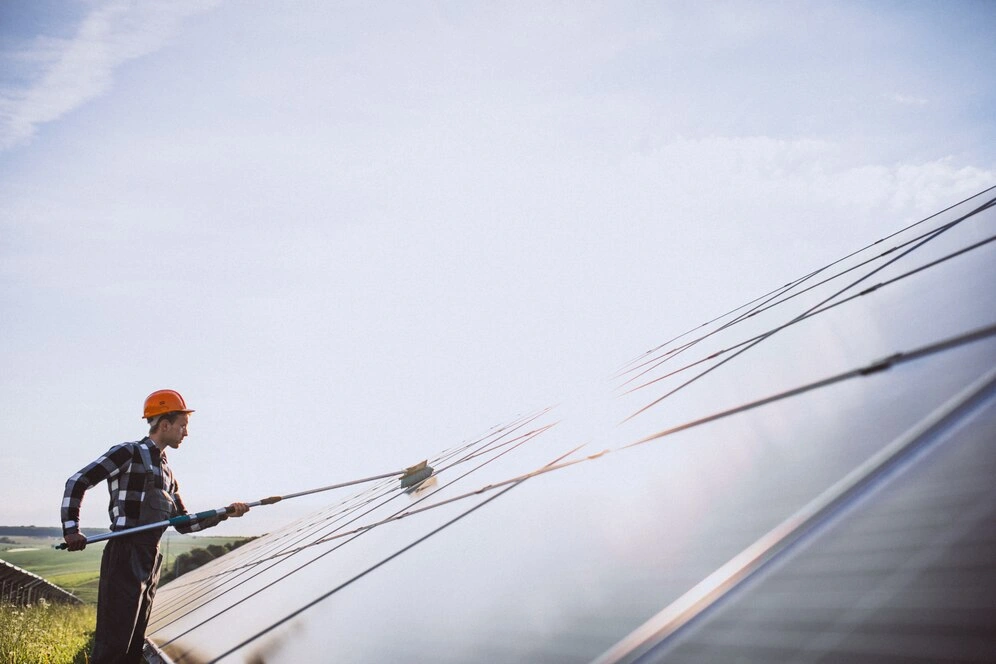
(124, 471)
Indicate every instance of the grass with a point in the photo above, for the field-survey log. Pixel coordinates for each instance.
(46, 633)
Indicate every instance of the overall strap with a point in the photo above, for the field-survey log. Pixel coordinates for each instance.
(157, 504)
(150, 470)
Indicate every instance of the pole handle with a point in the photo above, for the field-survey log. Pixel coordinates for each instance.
(138, 529)
(411, 475)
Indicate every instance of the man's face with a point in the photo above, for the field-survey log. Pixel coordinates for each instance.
(173, 433)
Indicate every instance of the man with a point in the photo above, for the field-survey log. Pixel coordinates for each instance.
(143, 491)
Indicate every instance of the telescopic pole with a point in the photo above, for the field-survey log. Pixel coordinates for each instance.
(409, 477)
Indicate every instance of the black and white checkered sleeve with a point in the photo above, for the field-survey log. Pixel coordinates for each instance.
(97, 471)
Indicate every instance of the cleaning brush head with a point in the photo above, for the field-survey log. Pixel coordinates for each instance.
(415, 475)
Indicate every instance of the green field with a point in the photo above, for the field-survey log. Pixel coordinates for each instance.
(77, 571)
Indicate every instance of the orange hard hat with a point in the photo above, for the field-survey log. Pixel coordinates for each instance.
(161, 402)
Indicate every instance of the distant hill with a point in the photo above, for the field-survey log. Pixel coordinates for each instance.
(35, 531)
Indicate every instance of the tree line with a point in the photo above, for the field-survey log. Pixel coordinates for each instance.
(191, 560)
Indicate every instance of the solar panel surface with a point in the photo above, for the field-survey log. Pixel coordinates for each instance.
(555, 535)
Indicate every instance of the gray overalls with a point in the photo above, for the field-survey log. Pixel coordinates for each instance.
(129, 573)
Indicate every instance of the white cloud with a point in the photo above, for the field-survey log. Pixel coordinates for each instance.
(77, 70)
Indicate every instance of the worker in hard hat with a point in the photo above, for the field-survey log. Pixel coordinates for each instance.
(143, 491)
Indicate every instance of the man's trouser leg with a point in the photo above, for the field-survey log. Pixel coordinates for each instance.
(129, 571)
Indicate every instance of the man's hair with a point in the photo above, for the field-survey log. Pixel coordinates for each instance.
(154, 422)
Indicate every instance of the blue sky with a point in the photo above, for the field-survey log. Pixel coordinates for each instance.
(353, 235)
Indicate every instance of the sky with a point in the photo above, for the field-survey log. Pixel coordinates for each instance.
(354, 234)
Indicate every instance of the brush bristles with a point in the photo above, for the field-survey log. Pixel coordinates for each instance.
(417, 477)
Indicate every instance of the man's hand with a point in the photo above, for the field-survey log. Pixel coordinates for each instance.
(76, 542)
(236, 509)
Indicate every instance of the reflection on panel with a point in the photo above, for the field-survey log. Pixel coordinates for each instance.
(902, 570)
(559, 535)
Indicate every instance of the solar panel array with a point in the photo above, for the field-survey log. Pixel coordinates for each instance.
(586, 529)
(19, 587)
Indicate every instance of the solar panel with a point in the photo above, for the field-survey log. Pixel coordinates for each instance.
(19, 587)
(899, 570)
(566, 533)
